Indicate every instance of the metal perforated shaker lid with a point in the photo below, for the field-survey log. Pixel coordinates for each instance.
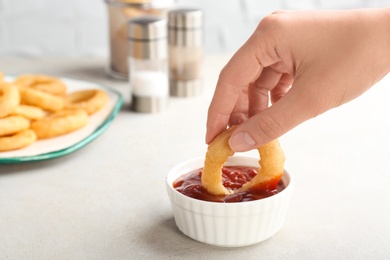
(185, 18)
(147, 28)
(147, 37)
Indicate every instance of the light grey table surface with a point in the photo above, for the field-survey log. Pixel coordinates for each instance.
(108, 200)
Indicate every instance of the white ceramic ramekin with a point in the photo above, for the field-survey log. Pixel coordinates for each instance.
(228, 224)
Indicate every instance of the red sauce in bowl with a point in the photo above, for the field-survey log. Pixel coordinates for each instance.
(233, 177)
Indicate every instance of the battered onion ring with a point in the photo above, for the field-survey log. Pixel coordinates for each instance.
(30, 112)
(9, 98)
(60, 123)
(18, 140)
(13, 124)
(43, 83)
(91, 100)
(270, 170)
(44, 100)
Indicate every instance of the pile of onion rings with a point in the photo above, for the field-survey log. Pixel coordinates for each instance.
(34, 107)
(270, 171)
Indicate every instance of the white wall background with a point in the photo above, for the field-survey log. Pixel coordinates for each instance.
(37, 28)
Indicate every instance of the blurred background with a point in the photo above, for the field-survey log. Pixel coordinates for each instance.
(79, 28)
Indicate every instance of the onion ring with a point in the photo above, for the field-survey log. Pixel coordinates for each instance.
(9, 98)
(44, 100)
(30, 112)
(13, 124)
(60, 123)
(43, 83)
(271, 166)
(270, 171)
(91, 100)
(17, 141)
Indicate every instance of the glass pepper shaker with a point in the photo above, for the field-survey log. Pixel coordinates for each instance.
(148, 64)
(185, 39)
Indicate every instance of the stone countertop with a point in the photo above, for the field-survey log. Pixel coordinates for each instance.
(108, 199)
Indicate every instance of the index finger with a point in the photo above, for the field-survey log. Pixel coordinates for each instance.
(243, 68)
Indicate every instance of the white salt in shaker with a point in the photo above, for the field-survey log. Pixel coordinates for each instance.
(148, 64)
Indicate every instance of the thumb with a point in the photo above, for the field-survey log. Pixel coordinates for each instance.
(287, 113)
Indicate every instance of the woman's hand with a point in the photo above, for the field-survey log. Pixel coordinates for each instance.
(304, 63)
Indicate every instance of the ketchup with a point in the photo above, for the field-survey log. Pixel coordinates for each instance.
(233, 177)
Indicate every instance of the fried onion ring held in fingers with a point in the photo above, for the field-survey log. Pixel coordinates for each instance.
(18, 140)
(91, 100)
(13, 124)
(60, 123)
(9, 98)
(43, 83)
(270, 171)
(41, 99)
(30, 112)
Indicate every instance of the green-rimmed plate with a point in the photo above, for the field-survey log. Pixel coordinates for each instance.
(63, 145)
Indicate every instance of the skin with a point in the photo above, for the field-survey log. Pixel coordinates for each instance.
(303, 63)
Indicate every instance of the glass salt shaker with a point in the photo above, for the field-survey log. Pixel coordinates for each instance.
(185, 39)
(148, 64)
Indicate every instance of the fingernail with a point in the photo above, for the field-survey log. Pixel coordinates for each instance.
(241, 142)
